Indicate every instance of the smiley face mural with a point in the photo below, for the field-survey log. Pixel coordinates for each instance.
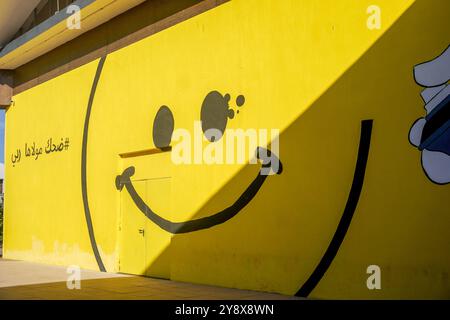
(345, 189)
(214, 115)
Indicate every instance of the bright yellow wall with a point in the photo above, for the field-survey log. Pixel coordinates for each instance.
(309, 68)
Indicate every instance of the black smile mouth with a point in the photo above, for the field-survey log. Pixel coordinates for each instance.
(269, 162)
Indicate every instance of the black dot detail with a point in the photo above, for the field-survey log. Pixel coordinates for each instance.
(240, 100)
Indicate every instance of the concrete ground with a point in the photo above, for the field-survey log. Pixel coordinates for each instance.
(26, 280)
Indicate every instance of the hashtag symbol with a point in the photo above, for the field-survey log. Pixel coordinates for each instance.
(66, 144)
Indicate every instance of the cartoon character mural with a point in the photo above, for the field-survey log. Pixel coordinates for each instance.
(431, 134)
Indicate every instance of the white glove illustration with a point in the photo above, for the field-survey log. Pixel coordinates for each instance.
(431, 134)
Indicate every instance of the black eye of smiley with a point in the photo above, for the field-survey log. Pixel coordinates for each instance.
(214, 116)
(215, 113)
(163, 127)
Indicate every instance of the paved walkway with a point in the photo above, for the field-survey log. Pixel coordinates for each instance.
(26, 280)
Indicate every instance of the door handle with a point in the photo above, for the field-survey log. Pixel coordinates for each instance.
(142, 231)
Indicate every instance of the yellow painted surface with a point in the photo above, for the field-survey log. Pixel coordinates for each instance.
(311, 69)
